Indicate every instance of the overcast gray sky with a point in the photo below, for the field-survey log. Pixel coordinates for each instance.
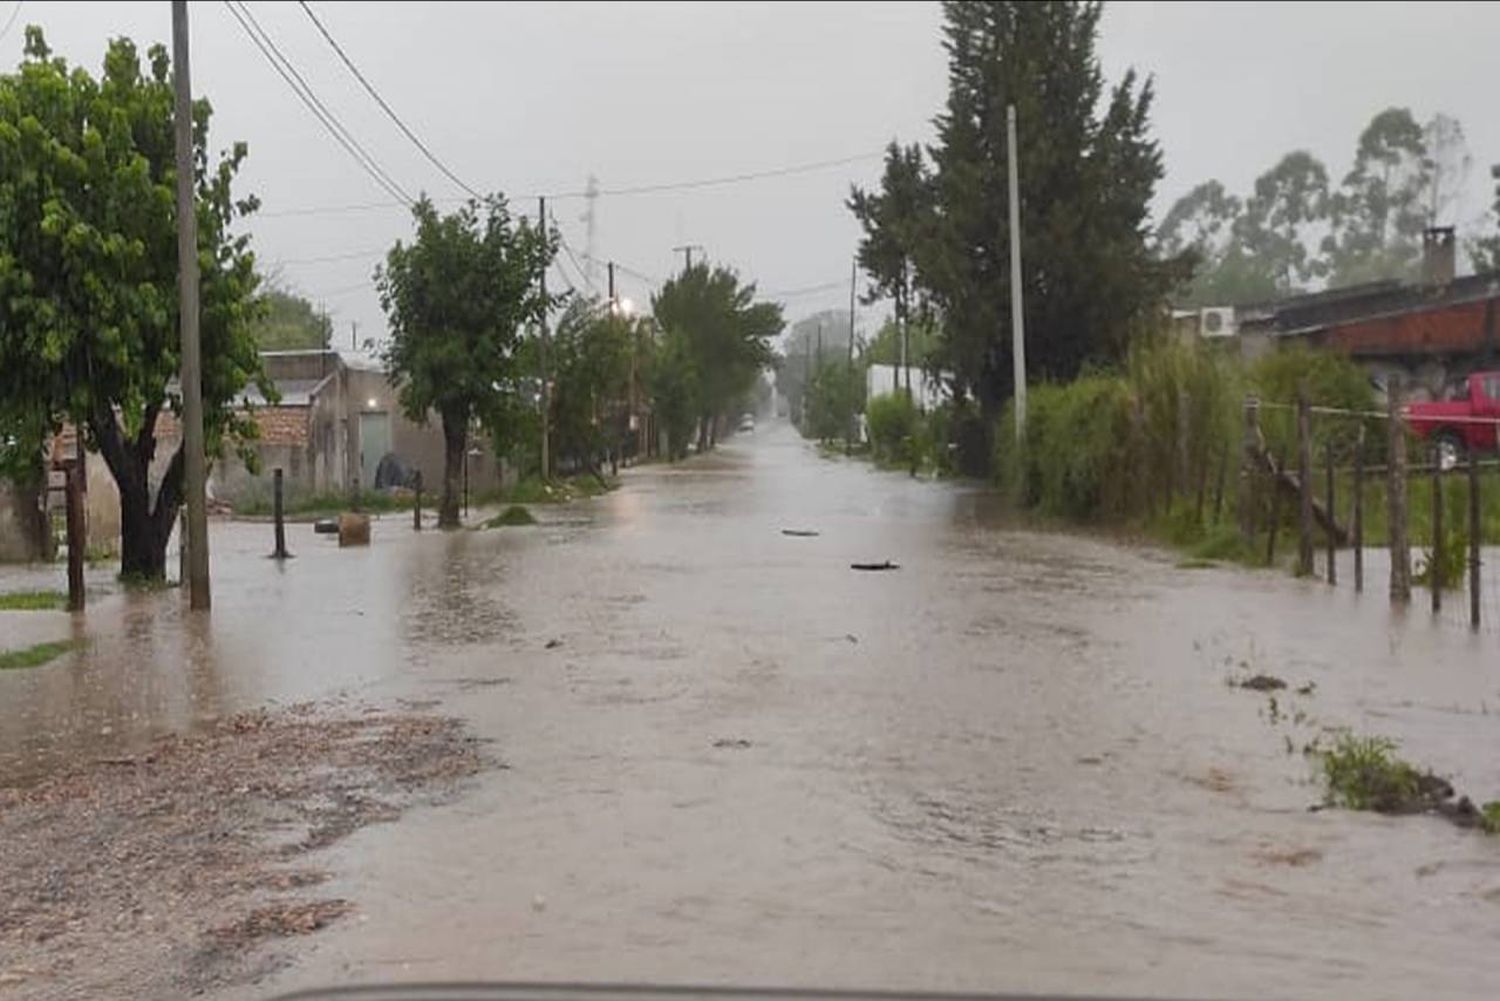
(532, 98)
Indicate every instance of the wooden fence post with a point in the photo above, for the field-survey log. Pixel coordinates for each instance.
(1249, 457)
(1359, 511)
(1474, 527)
(1333, 572)
(1396, 494)
(1219, 485)
(1275, 509)
(77, 532)
(1437, 562)
(1304, 484)
(416, 507)
(278, 515)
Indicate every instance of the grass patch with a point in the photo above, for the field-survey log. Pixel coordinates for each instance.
(1364, 773)
(534, 490)
(369, 501)
(33, 601)
(34, 656)
(513, 515)
(1489, 817)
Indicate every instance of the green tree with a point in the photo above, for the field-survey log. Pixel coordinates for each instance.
(922, 337)
(1378, 213)
(1201, 227)
(88, 272)
(836, 395)
(290, 322)
(727, 336)
(1272, 236)
(1088, 168)
(456, 299)
(673, 385)
(590, 361)
(896, 221)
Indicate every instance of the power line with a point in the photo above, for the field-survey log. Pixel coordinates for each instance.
(760, 175)
(645, 189)
(304, 92)
(11, 21)
(576, 266)
(352, 255)
(370, 88)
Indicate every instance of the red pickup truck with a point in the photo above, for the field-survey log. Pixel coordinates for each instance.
(1452, 422)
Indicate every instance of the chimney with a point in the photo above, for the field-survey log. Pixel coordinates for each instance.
(1438, 256)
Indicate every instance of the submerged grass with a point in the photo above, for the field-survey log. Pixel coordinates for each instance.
(1364, 773)
(513, 515)
(34, 656)
(32, 601)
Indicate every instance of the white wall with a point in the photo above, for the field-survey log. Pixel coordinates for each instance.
(926, 392)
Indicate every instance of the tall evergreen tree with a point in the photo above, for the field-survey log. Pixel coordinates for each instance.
(1086, 184)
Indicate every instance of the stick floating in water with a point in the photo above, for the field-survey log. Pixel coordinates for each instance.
(799, 533)
(887, 565)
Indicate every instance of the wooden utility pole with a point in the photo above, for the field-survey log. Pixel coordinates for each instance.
(1396, 494)
(73, 480)
(687, 251)
(611, 271)
(278, 516)
(546, 376)
(850, 422)
(1017, 314)
(187, 283)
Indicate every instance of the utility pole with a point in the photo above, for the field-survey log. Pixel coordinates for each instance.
(611, 269)
(1017, 320)
(187, 281)
(849, 371)
(546, 388)
(353, 335)
(687, 251)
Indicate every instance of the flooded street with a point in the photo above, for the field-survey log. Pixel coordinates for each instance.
(1012, 764)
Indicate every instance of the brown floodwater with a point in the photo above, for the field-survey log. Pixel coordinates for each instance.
(1012, 764)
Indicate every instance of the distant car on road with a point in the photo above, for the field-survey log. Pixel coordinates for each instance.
(1466, 422)
(747, 424)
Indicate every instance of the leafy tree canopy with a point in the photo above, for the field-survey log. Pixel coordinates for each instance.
(457, 298)
(290, 322)
(88, 270)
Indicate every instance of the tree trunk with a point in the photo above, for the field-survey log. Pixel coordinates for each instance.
(703, 434)
(453, 470)
(144, 527)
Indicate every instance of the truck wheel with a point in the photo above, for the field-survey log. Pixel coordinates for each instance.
(1451, 450)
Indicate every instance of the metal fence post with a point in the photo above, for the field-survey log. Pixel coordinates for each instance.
(1333, 572)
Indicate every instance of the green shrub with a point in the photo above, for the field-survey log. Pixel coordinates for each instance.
(1363, 773)
(513, 515)
(892, 420)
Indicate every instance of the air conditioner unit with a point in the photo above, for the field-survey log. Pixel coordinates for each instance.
(1217, 321)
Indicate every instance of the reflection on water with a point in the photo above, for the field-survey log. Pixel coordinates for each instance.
(1013, 764)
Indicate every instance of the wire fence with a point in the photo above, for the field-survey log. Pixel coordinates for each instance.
(1384, 502)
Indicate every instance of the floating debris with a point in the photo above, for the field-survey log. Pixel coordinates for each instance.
(887, 565)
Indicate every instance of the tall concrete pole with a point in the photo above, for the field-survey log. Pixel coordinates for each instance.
(1017, 314)
(187, 284)
(546, 374)
(851, 420)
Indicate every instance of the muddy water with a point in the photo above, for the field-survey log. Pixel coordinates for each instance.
(1013, 764)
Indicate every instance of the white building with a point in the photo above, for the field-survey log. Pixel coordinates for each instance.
(927, 391)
